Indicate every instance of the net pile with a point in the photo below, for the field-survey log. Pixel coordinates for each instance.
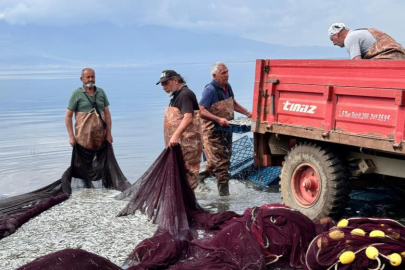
(263, 235)
(69, 259)
(87, 165)
(359, 243)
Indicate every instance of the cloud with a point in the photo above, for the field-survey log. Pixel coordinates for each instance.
(288, 22)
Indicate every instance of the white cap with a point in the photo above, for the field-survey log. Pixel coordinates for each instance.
(336, 28)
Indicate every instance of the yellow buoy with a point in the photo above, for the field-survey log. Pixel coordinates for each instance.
(377, 233)
(347, 257)
(372, 252)
(395, 259)
(343, 223)
(358, 232)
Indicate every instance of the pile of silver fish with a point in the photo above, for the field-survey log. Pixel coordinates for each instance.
(241, 121)
(87, 220)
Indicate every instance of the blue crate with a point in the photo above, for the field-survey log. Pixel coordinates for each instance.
(242, 155)
(242, 167)
(233, 128)
(266, 176)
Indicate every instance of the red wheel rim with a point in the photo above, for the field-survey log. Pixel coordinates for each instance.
(306, 185)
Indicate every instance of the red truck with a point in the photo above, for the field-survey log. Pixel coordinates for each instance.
(326, 121)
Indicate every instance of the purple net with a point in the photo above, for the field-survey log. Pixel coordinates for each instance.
(325, 250)
(69, 259)
(164, 194)
(263, 235)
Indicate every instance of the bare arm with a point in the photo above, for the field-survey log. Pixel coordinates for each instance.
(185, 123)
(358, 57)
(108, 121)
(205, 114)
(240, 109)
(69, 127)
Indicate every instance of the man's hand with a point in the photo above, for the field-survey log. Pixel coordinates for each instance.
(109, 138)
(223, 122)
(72, 141)
(249, 114)
(174, 140)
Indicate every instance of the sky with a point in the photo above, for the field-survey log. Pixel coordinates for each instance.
(284, 22)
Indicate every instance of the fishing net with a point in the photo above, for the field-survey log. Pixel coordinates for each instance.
(271, 234)
(345, 246)
(164, 194)
(69, 259)
(87, 167)
(261, 236)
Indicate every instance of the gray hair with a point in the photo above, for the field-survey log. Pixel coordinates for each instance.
(214, 68)
(83, 70)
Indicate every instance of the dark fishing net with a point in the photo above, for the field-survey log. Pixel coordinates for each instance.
(325, 250)
(164, 194)
(70, 259)
(87, 166)
(271, 234)
(263, 235)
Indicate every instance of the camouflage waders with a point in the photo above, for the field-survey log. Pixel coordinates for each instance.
(190, 141)
(218, 144)
(385, 47)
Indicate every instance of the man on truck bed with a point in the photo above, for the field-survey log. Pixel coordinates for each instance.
(217, 105)
(365, 43)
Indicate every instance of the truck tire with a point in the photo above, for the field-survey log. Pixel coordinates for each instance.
(313, 181)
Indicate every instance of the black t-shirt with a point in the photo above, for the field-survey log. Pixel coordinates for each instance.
(184, 100)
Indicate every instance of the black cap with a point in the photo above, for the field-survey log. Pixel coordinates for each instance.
(167, 75)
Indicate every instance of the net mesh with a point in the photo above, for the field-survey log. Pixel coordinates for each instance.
(69, 259)
(263, 235)
(325, 250)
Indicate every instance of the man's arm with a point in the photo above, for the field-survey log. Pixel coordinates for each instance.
(185, 123)
(69, 127)
(205, 114)
(240, 109)
(108, 121)
(358, 57)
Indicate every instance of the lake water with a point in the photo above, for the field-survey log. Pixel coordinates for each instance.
(34, 148)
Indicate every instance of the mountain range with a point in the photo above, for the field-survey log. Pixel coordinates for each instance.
(110, 45)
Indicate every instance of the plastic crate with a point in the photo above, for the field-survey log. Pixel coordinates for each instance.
(242, 167)
(242, 155)
(233, 128)
(266, 176)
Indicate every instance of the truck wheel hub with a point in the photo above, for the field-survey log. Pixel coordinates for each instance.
(305, 185)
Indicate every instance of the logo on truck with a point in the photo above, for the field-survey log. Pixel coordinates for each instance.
(296, 107)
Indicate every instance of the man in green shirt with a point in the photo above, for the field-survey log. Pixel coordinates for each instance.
(89, 104)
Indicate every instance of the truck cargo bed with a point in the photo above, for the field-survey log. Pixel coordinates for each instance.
(356, 103)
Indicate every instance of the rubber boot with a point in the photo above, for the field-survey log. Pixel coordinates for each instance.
(202, 175)
(223, 189)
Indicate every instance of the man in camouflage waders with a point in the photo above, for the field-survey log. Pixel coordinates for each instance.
(217, 106)
(182, 122)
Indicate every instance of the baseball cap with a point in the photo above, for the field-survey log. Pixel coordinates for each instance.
(167, 75)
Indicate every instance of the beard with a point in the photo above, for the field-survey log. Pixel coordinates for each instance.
(169, 94)
(89, 84)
